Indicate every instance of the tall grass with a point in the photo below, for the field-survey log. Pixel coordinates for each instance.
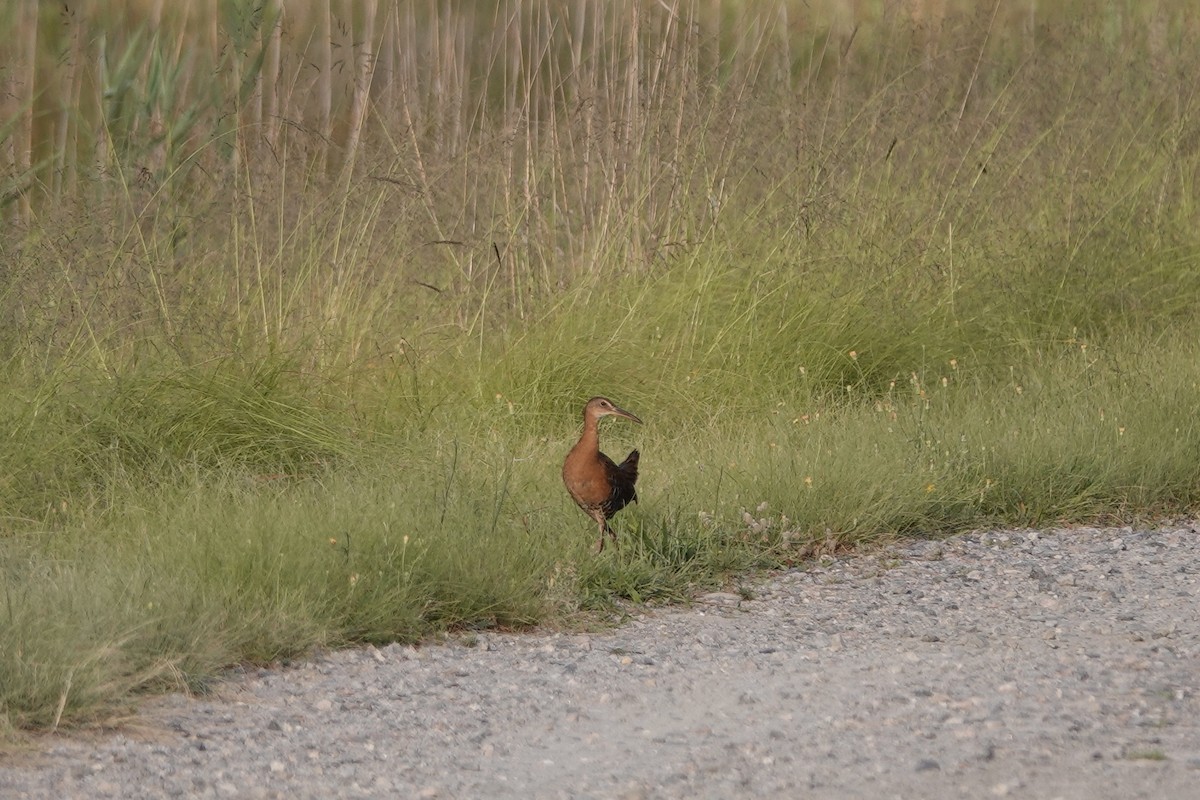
(299, 305)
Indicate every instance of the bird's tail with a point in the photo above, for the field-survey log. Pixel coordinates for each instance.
(630, 465)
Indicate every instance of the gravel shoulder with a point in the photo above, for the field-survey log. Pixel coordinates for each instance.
(999, 664)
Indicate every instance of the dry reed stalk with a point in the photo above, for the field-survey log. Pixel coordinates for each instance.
(410, 92)
(254, 108)
(9, 114)
(633, 83)
(684, 86)
(210, 38)
(585, 81)
(365, 63)
(325, 82)
(553, 275)
(458, 102)
(385, 64)
(537, 51)
(962, 109)
(64, 165)
(62, 700)
(610, 167)
(273, 12)
(785, 48)
(103, 146)
(233, 89)
(23, 135)
(156, 127)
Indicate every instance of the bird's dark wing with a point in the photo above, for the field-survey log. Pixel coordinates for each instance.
(621, 480)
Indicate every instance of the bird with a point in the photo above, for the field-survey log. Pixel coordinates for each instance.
(598, 485)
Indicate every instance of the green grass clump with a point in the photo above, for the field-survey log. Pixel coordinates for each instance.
(903, 280)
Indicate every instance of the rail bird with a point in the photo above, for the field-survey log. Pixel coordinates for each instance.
(598, 485)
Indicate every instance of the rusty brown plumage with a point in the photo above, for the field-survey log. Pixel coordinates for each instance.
(595, 482)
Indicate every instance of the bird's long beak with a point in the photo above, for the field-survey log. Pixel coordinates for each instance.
(620, 412)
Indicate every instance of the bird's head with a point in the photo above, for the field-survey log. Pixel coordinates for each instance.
(599, 407)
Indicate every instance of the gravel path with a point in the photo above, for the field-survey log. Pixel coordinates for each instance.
(1021, 664)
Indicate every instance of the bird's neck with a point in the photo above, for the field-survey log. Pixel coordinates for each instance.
(590, 440)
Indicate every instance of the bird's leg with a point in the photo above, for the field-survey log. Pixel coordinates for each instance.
(606, 532)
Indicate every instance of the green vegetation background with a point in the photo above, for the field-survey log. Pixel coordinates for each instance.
(277, 379)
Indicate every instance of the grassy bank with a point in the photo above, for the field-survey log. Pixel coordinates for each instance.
(279, 389)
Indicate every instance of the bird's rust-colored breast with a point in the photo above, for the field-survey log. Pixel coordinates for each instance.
(594, 481)
(586, 478)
